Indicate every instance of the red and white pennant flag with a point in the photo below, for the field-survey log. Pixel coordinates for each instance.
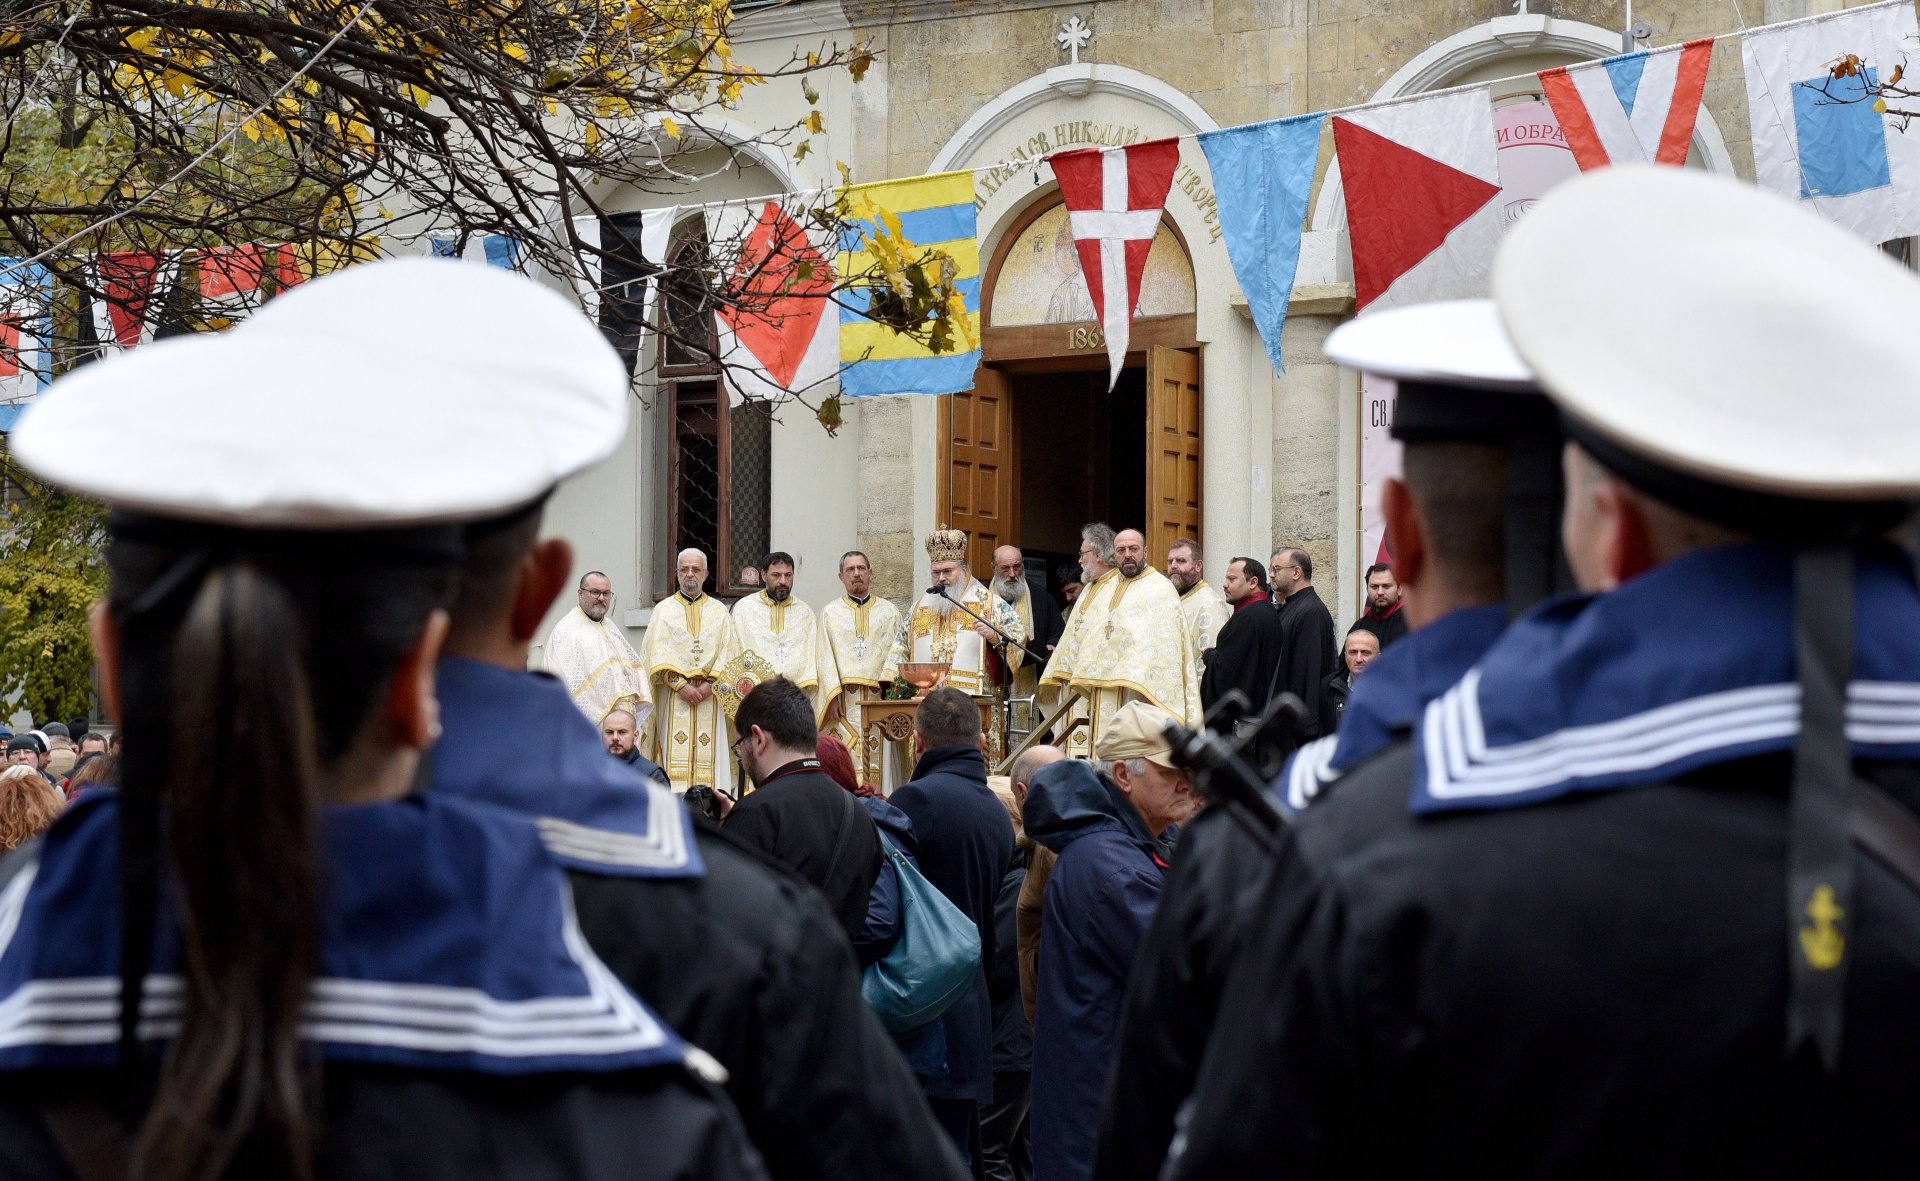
(1114, 198)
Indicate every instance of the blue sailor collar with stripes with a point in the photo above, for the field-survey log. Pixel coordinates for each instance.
(1686, 666)
(449, 943)
(514, 738)
(1385, 703)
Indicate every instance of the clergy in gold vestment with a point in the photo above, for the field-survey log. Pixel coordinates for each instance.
(1204, 608)
(1125, 641)
(777, 627)
(590, 655)
(857, 631)
(684, 650)
(937, 630)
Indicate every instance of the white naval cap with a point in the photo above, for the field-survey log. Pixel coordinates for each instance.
(1458, 342)
(1720, 333)
(395, 393)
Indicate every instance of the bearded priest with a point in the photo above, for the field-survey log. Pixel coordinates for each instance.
(683, 652)
(590, 655)
(777, 627)
(938, 630)
(857, 631)
(1127, 639)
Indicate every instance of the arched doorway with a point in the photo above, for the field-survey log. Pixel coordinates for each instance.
(1041, 445)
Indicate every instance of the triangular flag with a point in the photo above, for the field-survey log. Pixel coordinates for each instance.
(1114, 198)
(1632, 109)
(1261, 175)
(1420, 177)
(230, 280)
(778, 327)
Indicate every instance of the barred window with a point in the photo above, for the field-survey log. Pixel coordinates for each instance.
(720, 457)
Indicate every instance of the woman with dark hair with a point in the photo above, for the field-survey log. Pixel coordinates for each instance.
(322, 972)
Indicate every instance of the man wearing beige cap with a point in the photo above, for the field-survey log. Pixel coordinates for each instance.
(1106, 822)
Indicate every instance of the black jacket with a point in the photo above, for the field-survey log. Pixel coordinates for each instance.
(1246, 655)
(1333, 700)
(1048, 623)
(744, 961)
(1012, 1034)
(798, 817)
(966, 842)
(381, 1124)
(1589, 987)
(1389, 629)
(747, 963)
(1307, 654)
(1174, 991)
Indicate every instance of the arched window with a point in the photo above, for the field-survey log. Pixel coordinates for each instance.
(719, 456)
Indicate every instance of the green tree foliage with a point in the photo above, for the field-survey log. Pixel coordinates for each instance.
(51, 571)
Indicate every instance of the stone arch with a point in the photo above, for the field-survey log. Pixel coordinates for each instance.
(1503, 37)
(1073, 81)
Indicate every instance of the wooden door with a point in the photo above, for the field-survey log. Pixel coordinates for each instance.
(981, 466)
(1173, 448)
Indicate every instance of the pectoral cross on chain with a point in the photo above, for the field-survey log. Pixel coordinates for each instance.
(860, 648)
(1109, 629)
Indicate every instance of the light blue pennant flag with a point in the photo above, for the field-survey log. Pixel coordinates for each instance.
(1261, 174)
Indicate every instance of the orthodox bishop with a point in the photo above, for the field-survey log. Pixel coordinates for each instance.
(683, 654)
(938, 630)
(1126, 640)
(857, 631)
(776, 627)
(590, 655)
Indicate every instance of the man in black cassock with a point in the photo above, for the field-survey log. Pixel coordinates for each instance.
(1306, 637)
(1247, 651)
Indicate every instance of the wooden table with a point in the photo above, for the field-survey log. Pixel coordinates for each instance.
(894, 720)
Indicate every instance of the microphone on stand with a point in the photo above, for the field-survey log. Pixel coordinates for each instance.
(938, 588)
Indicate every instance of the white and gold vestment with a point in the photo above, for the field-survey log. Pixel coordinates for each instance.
(855, 641)
(782, 635)
(688, 640)
(1206, 613)
(599, 668)
(1126, 640)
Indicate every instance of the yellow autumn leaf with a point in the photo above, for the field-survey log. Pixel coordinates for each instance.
(815, 124)
(416, 95)
(516, 52)
(670, 127)
(593, 137)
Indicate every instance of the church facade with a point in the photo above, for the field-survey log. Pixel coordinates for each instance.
(1200, 436)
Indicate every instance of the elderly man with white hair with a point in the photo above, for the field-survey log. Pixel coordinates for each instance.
(683, 653)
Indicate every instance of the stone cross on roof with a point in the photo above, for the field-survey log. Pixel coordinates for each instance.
(1073, 37)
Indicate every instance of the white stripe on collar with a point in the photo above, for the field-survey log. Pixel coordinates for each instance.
(1460, 765)
(1309, 773)
(664, 846)
(425, 1018)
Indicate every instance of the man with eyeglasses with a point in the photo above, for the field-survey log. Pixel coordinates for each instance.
(590, 654)
(1308, 654)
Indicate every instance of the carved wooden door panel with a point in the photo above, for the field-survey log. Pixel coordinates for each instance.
(979, 492)
(1173, 448)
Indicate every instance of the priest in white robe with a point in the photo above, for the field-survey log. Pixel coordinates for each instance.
(590, 655)
(777, 628)
(938, 630)
(1205, 608)
(857, 631)
(1126, 640)
(684, 650)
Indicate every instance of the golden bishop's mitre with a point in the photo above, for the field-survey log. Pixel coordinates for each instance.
(947, 545)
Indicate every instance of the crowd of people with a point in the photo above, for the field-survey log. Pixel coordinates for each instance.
(1556, 883)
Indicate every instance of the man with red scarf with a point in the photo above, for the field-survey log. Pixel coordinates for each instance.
(1382, 616)
(1247, 649)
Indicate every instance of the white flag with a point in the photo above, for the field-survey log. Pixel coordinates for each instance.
(1817, 138)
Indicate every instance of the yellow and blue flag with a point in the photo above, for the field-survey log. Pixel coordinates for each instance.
(934, 212)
